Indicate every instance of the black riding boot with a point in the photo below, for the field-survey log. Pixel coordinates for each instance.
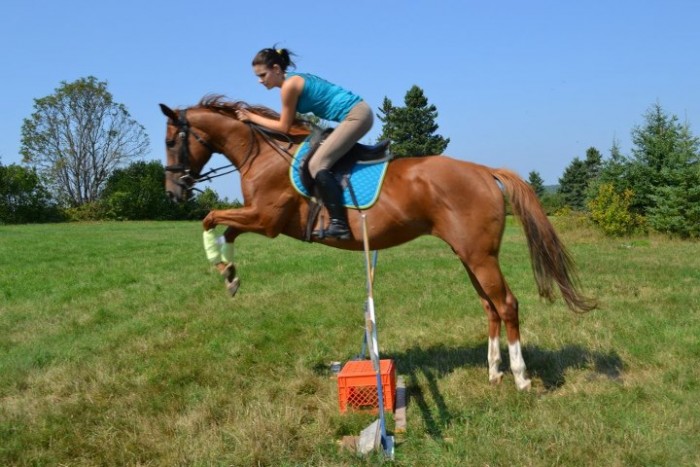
(332, 196)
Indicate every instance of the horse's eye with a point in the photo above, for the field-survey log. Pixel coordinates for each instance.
(170, 143)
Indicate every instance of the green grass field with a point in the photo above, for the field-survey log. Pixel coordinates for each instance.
(119, 346)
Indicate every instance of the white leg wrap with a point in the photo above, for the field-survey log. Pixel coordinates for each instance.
(211, 248)
(226, 250)
(517, 366)
(494, 358)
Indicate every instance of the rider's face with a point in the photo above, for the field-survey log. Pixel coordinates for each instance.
(269, 77)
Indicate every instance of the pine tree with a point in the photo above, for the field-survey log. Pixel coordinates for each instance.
(675, 201)
(594, 163)
(579, 179)
(661, 147)
(573, 184)
(412, 128)
(676, 209)
(535, 180)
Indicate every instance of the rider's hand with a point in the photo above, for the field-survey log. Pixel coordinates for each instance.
(243, 115)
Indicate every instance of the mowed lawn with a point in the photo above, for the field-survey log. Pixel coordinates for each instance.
(119, 346)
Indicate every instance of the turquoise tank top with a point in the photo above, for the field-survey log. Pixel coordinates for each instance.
(324, 99)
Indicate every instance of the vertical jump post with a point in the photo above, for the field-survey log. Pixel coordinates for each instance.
(387, 442)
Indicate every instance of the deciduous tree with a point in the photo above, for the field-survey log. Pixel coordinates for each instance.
(136, 193)
(78, 136)
(23, 198)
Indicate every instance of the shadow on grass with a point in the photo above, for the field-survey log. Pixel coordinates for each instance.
(436, 362)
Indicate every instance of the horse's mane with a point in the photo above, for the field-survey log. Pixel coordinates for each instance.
(220, 104)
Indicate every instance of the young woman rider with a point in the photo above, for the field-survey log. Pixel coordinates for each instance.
(307, 93)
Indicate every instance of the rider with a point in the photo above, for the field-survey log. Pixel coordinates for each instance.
(307, 93)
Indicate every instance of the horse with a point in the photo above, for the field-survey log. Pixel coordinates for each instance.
(460, 202)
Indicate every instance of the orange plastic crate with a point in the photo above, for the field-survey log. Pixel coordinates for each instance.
(357, 386)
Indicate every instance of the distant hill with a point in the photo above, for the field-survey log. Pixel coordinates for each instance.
(551, 188)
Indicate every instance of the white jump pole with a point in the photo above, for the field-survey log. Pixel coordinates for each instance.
(387, 442)
(370, 282)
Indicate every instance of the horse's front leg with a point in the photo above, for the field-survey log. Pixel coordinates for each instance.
(219, 249)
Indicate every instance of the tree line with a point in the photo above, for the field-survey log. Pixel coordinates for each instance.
(81, 154)
(656, 187)
(134, 192)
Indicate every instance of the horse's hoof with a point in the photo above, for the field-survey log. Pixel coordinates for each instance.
(496, 380)
(229, 272)
(232, 286)
(526, 385)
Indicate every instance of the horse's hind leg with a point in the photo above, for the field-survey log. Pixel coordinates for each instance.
(500, 305)
(494, 350)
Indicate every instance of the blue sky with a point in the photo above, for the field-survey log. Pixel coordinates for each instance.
(527, 85)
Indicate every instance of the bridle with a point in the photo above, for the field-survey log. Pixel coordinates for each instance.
(189, 178)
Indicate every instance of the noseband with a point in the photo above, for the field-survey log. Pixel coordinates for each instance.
(188, 177)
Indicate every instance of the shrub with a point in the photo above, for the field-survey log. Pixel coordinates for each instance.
(552, 202)
(611, 212)
(566, 219)
(93, 211)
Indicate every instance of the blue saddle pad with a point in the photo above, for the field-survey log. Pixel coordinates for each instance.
(366, 179)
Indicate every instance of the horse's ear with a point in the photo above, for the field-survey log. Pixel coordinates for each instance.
(168, 112)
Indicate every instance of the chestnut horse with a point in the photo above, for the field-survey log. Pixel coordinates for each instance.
(460, 202)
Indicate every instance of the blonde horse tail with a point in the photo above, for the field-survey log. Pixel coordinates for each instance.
(551, 261)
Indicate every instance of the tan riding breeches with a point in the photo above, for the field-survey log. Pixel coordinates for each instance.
(348, 132)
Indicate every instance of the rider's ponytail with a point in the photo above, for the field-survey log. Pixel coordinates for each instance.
(273, 56)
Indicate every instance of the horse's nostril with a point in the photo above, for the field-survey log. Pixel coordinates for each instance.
(171, 196)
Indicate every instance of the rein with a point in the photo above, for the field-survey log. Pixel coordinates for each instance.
(270, 137)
